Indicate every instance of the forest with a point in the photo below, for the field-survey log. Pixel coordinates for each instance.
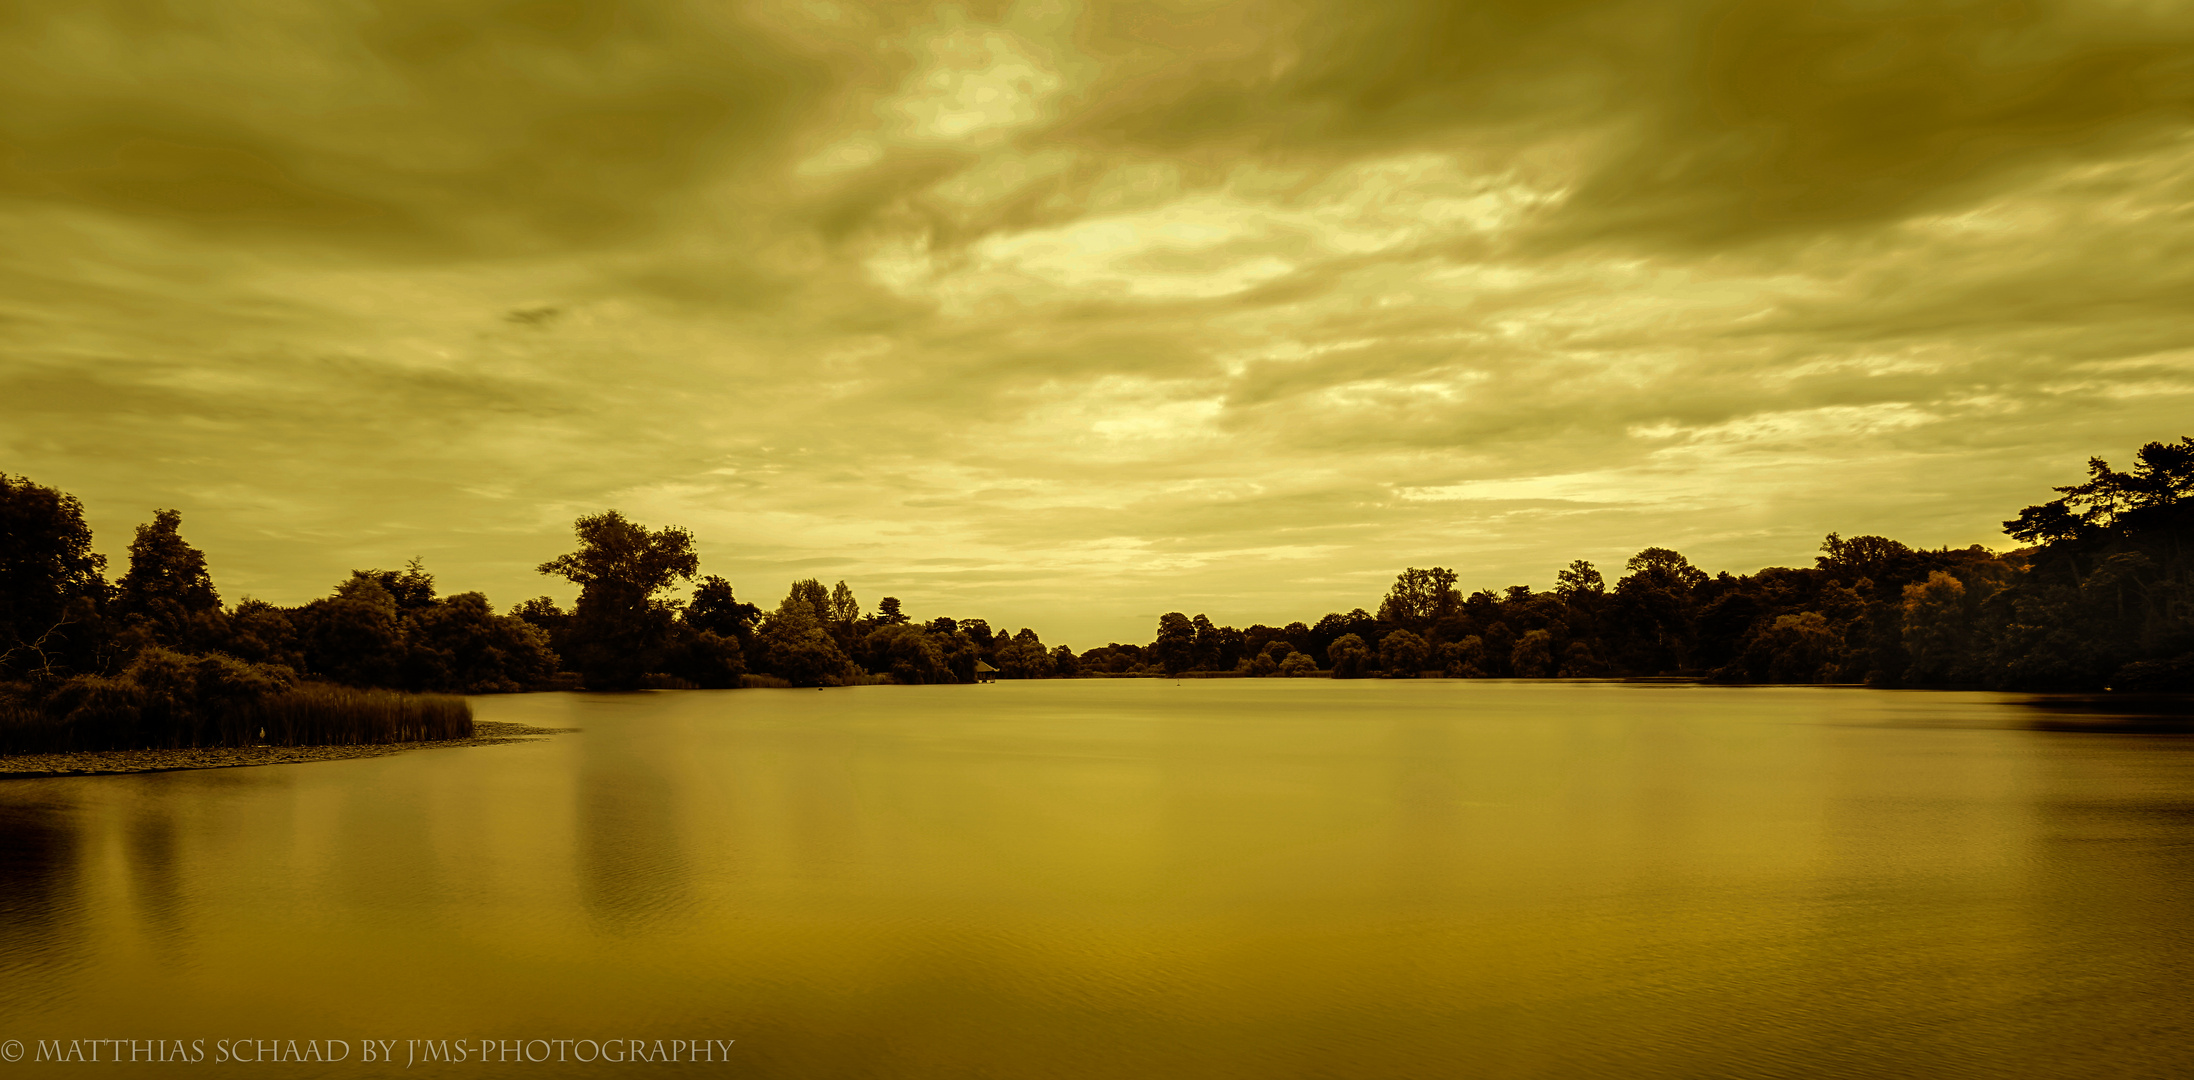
(2100, 595)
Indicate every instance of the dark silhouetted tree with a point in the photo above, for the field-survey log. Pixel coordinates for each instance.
(263, 634)
(622, 623)
(1579, 579)
(797, 648)
(713, 608)
(167, 597)
(911, 655)
(1464, 659)
(844, 609)
(1351, 657)
(1175, 647)
(1420, 598)
(354, 637)
(1404, 655)
(1024, 657)
(1532, 657)
(50, 581)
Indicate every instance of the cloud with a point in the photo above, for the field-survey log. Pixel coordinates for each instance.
(1061, 314)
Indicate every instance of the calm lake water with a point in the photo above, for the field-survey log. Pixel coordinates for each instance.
(1149, 879)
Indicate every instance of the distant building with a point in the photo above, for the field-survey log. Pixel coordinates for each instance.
(985, 673)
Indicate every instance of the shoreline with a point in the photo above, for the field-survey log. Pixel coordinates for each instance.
(125, 762)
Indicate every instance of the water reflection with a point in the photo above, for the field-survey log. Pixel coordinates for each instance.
(156, 875)
(631, 869)
(2125, 714)
(1142, 879)
(40, 902)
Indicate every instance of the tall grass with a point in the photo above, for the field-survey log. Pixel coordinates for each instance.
(320, 715)
(168, 701)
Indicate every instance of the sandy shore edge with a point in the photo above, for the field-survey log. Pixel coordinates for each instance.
(117, 762)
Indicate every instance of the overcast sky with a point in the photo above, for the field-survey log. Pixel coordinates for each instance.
(1065, 315)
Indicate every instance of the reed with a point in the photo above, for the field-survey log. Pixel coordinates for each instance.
(315, 714)
(119, 714)
(24, 729)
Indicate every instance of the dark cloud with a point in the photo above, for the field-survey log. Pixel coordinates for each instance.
(1697, 122)
(431, 127)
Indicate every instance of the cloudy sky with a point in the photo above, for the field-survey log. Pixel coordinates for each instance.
(1068, 314)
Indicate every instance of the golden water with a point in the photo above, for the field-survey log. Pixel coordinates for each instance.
(1147, 879)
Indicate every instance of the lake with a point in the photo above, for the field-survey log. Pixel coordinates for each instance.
(1146, 879)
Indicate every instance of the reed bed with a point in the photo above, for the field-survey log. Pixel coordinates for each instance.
(114, 714)
(320, 715)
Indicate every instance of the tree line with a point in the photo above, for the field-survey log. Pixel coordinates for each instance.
(2101, 595)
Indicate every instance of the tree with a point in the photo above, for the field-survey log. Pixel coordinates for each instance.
(1420, 598)
(1653, 610)
(1533, 655)
(460, 645)
(909, 654)
(1579, 579)
(167, 596)
(844, 609)
(1798, 648)
(353, 637)
(1351, 657)
(1175, 648)
(811, 594)
(888, 613)
(1860, 556)
(1403, 654)
(1464, 659)
(797, 648)
(713, 608)
(707, 659)
(263, 634)
(622, 623)
(977, 630)
(1578, 662)
(1024, 657)
(1298, 665)
(1661, 568)
(542, 614)
(50, 579)
(1935, 627)
(2163, 475)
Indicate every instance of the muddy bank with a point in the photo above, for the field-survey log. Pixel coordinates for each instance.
(112, 762)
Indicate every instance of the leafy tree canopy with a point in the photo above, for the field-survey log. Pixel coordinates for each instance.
(46, 559)
(1419, 598)
(713, 608)
(2162, 475)
(620, 555)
